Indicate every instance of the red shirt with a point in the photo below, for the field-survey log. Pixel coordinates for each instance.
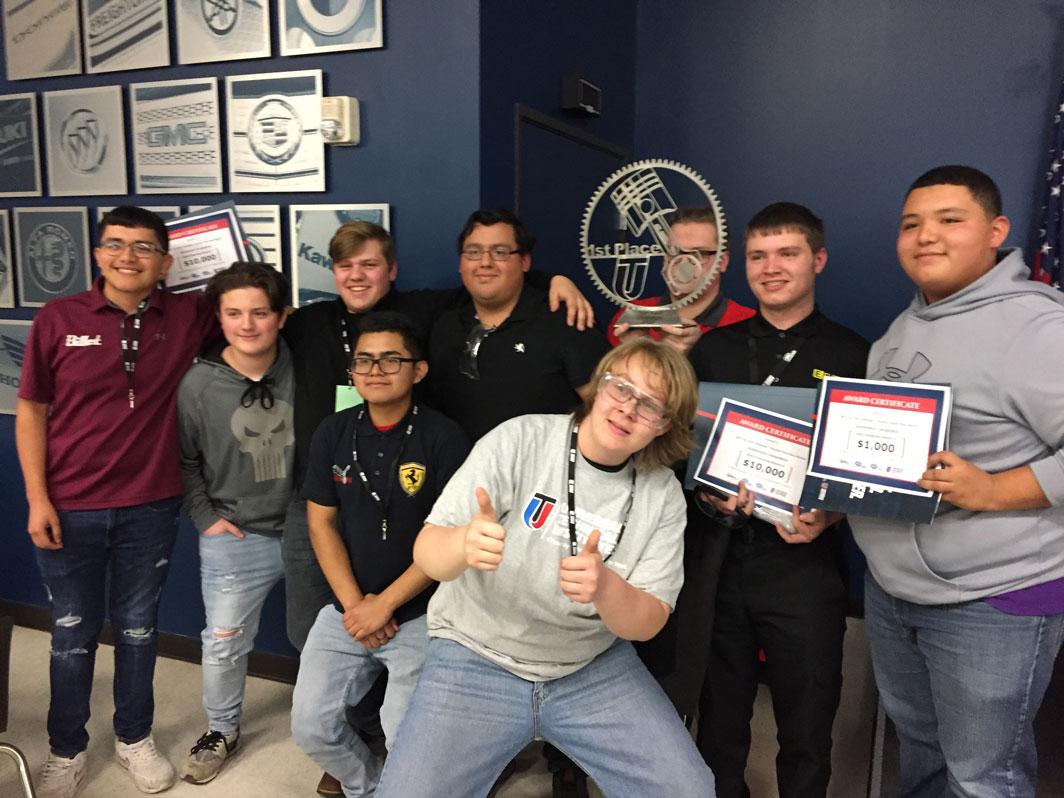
(713, 316)
(101, 452)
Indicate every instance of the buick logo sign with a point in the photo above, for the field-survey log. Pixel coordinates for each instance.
(220, 15)
(52, 257)
(83, 141)
(274, 131)
(330, 17)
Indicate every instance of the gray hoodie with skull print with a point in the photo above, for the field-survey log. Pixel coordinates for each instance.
(237, 444)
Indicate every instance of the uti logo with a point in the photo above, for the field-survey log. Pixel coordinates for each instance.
(538, 510)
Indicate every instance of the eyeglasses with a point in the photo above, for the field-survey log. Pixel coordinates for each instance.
(706, 254)
(141, 249)
(387, 365)
(467, 363)
(648, 410)
(498, 252)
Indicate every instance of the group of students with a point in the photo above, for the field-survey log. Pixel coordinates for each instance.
(499, 606)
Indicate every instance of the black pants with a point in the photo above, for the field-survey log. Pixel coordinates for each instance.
(790, 601)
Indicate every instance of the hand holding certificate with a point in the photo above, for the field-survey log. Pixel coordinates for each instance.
(765, 452)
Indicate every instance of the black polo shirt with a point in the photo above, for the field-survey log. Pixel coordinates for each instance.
(532, 363)
(407, 472)
(747, 352)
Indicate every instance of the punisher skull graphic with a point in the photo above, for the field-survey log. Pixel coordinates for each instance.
(264, 434)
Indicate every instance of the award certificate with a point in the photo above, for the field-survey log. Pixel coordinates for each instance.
(766, 451)
(871, 444)
(203, 243)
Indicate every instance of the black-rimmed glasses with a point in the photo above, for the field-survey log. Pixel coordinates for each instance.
(387, 365)
(498, 252)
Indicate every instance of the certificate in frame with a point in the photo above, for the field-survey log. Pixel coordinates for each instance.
(203, 243)
(870, 445)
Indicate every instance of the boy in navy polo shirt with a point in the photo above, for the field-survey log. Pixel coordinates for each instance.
(97, 442)
(374, 472)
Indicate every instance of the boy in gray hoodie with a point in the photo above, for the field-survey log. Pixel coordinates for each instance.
(965, 616)
(234, 412)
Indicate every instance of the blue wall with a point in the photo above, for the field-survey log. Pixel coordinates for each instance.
(419, 152)
(839, 105)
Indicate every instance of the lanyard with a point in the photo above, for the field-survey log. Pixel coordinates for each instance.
(346, 342)
(573, 545)
(131, 344)
(780, 367)
(381, 502)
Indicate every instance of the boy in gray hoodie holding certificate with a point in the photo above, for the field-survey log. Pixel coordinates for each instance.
(965, 616)
(234, 412)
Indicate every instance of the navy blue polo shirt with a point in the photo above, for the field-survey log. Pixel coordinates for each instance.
(408, 474)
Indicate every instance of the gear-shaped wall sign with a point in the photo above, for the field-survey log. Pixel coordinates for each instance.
(636, 212)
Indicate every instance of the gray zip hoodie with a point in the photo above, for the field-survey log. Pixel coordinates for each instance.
(1000, 343)
(237, 451)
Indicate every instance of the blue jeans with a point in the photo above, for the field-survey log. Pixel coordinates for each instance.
(468, 717)
(962, 684)
(134, 544)
(306, 588)
(236, 575)
(335, 671)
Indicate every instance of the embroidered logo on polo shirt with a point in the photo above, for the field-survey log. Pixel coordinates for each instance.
(411, 477)
(538, 510)
(340, 475)
(519, 348)
(84, 340)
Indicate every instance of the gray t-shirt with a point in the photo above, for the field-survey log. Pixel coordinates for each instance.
(517, 616)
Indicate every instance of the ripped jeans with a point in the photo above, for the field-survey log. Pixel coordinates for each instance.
(237, 575)
(134, 544)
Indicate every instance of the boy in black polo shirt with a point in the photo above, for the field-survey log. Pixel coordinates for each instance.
(375, 471)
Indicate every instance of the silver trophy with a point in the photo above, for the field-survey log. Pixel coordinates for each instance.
(626, 227)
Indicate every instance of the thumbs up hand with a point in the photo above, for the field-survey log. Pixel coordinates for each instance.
(581, 577)
(485, 537)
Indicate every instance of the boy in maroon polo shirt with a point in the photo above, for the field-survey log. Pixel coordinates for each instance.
(97, 441)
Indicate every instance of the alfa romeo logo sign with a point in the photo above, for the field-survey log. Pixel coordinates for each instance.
(627, 243)
(52, 257)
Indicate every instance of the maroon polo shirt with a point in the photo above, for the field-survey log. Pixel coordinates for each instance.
(101, 452)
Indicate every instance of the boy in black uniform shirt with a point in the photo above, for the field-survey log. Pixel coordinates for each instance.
(788, 600)
(374, 472)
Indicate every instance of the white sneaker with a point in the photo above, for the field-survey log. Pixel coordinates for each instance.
(61, 777)
(208, 755)
(151, 771)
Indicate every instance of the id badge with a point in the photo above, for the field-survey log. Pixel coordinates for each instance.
(346, 396)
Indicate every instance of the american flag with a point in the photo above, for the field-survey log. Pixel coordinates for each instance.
(1047, 267)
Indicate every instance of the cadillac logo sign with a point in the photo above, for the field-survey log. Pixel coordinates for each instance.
(627, 244)
(274, 131)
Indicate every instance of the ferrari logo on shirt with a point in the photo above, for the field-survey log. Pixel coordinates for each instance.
(411, 477)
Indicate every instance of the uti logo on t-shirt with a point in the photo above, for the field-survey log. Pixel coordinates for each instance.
(538, 510)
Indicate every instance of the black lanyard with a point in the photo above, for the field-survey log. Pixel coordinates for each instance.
(574, 548)
(381, 502)
(346, 341)
(131, 344)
